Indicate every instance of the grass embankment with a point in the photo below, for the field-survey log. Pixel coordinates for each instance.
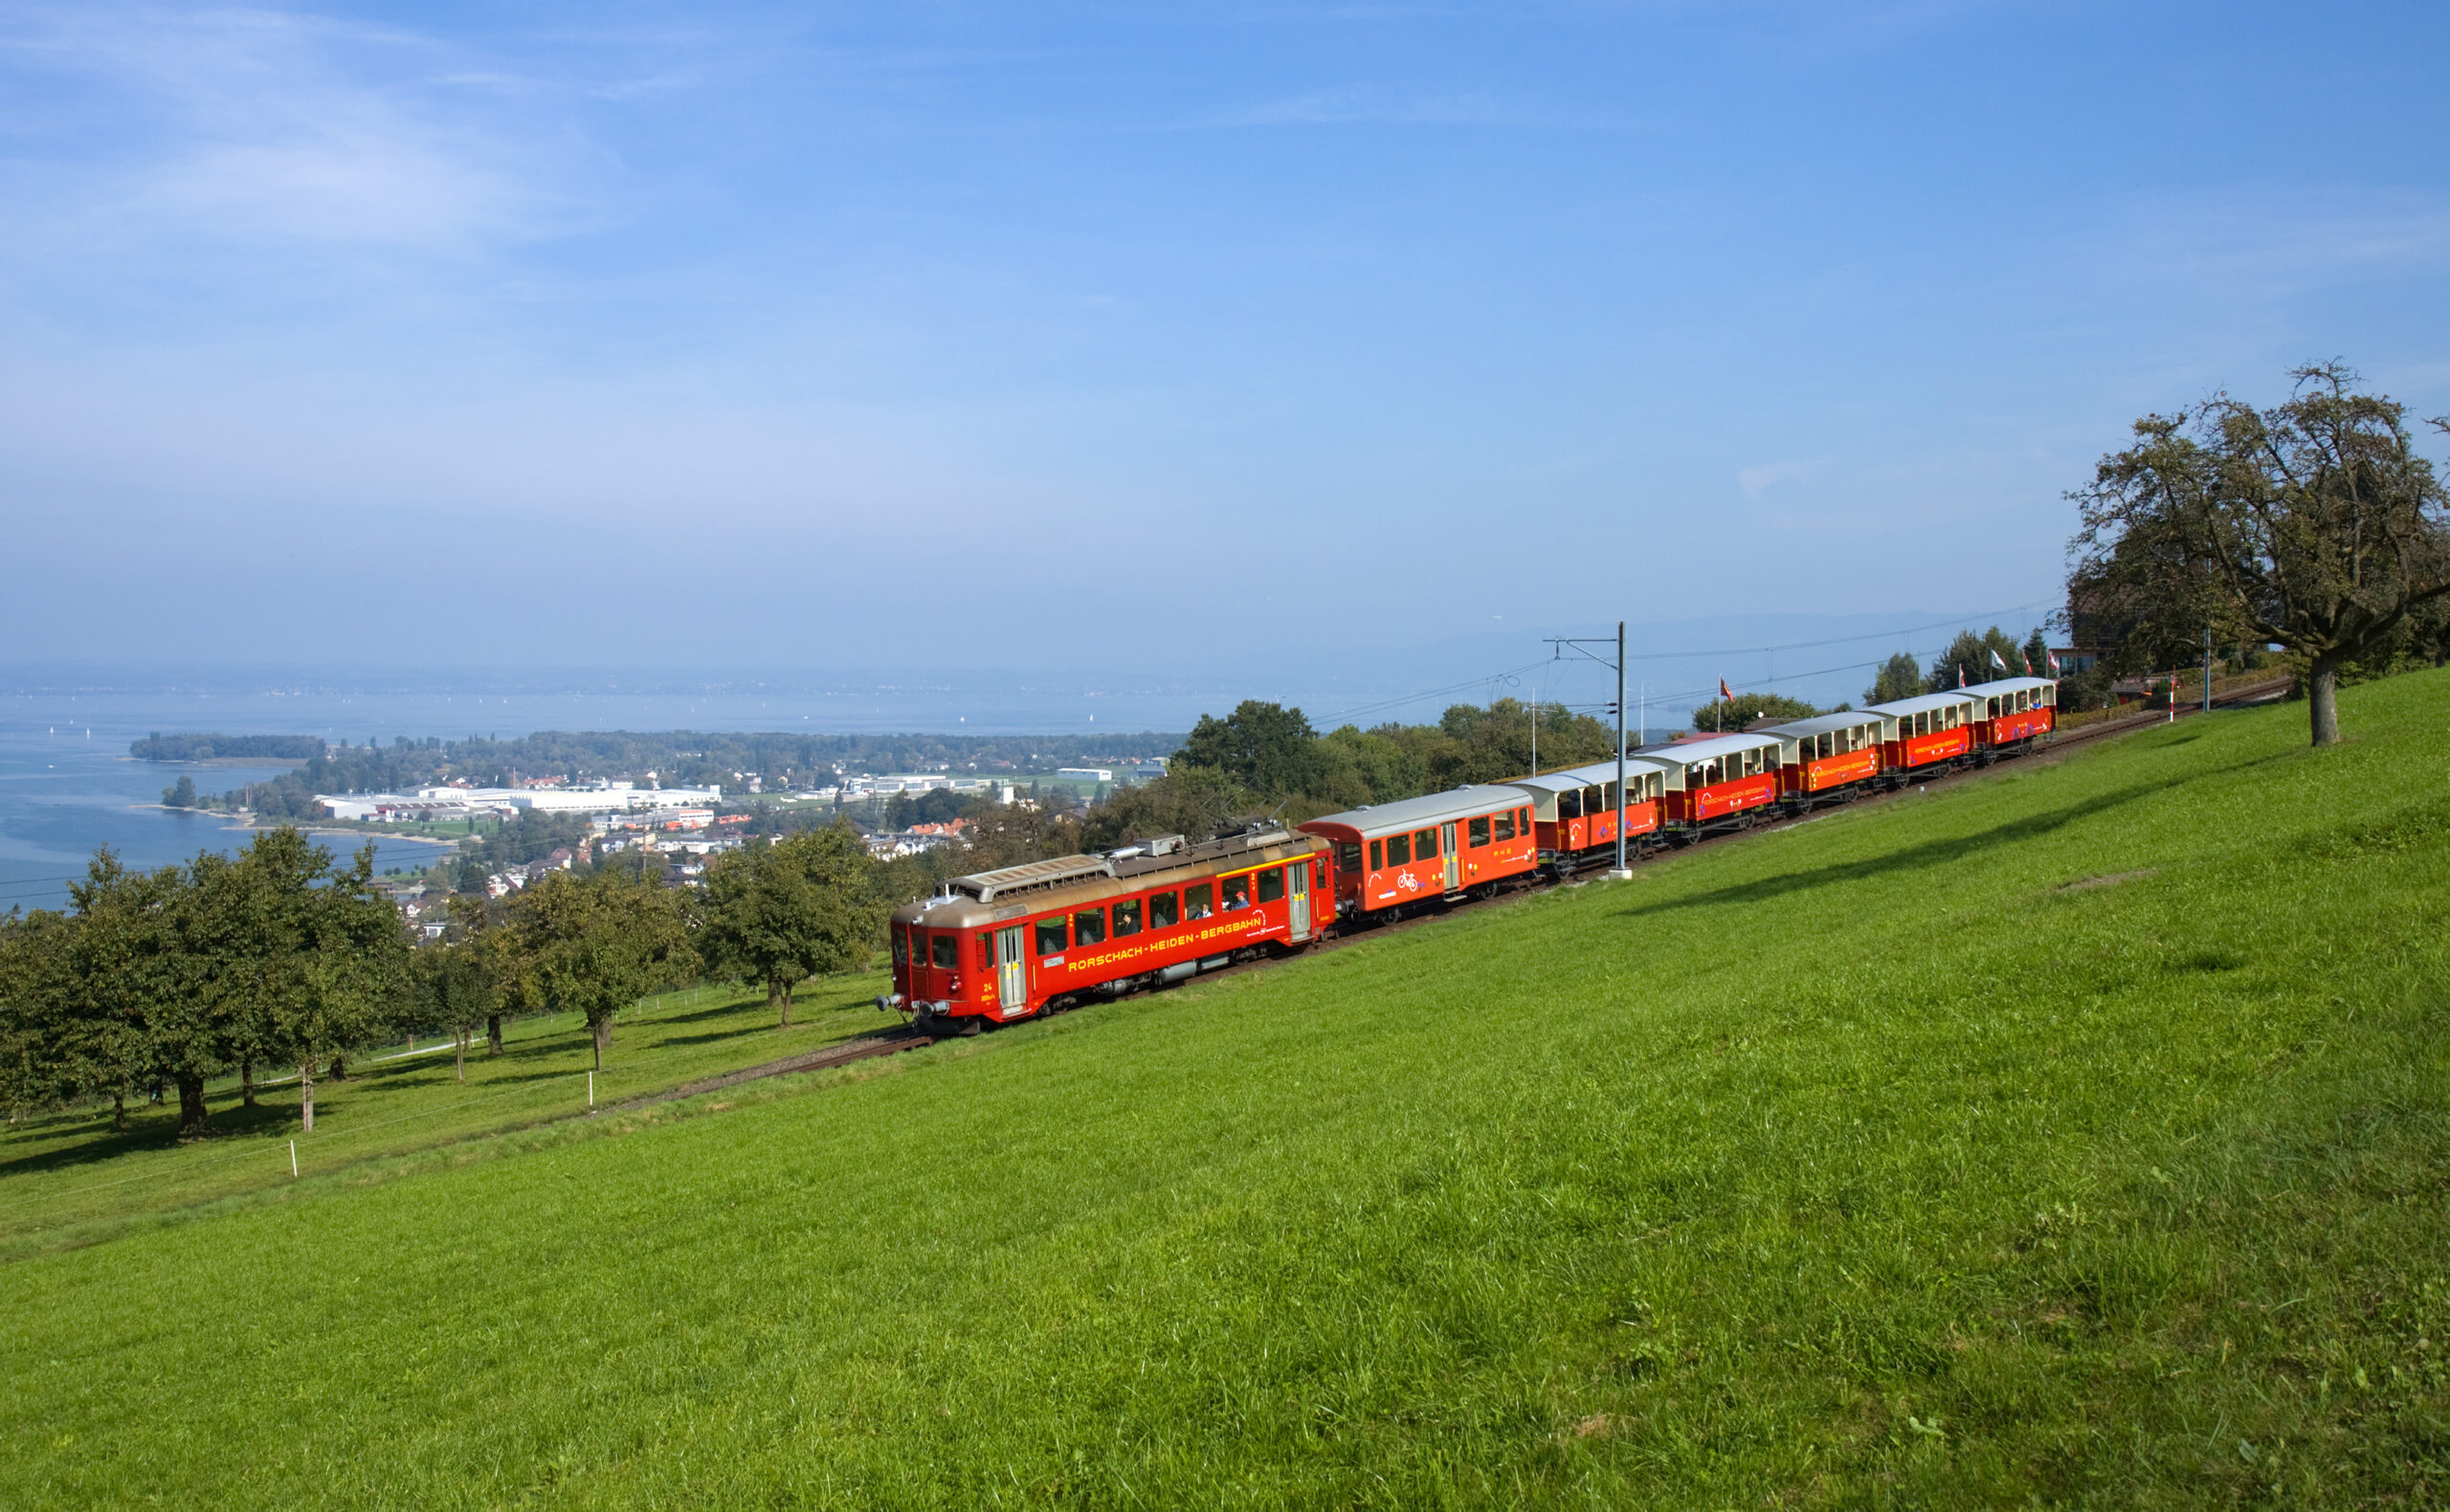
(2077, 1134)
(67, 1178)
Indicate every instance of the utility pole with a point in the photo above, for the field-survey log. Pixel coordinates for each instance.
(1580, 647)
(2207, 669)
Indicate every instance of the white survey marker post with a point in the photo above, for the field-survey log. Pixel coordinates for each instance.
(293, 1160)
(590, 1089)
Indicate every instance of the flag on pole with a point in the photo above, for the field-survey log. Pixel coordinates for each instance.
(1723, 691)
(1960, 674)
(2026, 657)
(1996, 661)
(2054, 663)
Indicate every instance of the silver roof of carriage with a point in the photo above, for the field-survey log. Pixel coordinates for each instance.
(1412, 814)
(1594, 775)
(1820, 723)
(1928, 700)
(2001, 685)
(1684, 753)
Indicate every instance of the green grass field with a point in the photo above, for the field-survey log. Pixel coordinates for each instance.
(2074, 1136)
(67, 1179)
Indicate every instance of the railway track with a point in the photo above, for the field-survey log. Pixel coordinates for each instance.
(899, 1039)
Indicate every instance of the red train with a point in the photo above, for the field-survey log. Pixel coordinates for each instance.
(1046, 935)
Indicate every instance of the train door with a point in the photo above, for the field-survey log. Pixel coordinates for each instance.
(1012, 977)
(1298, 900)
(1453, 860)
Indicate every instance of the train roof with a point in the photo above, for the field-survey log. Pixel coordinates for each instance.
(1411, 814)
(1928, 700)
(1013, 892)
(1999, 685)
(1594, 775)
(1821, 723)
(1684, 753)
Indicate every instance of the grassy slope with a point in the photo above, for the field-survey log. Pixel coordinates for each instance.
(67, 1179)
(1867, 1161)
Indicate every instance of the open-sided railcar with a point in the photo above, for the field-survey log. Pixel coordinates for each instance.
(2010, 713)
(1576, 813)
(1932, 732)
(1716, 782)
(1829, 757)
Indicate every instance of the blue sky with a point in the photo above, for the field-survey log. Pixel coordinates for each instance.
(1087, 336)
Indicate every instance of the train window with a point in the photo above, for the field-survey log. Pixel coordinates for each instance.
(1126, 918)
(1236, 891)
(1477, 834)
(1425, 845)
(987, 952)
(1506, 825)
(1522, 817)
(1198, 903)
(1399, 849)
(1089, 927)
(901, 946)
(1377, 854)
(1051, 937)
(1164, 910)
(1271, 885)
(945, 951)
(1569, 804)
(1348, 856)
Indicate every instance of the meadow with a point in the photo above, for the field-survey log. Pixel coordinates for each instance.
(2074, 1135)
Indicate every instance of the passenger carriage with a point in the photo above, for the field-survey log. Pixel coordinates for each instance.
(1004, 945)
(1716, 782)
(1827, 759)
(1437, 846)
(2010, 713)
(1926, 734)
(1575, 816)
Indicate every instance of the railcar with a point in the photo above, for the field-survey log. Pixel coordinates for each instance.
(1830, 758)
(2009, 714)
(1575, 816)
(1716, 783)
(1925, 735)
(1443, 845)
(1000, 945)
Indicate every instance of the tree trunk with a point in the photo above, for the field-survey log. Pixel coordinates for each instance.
(782, 992)
(247, 1080)
(493, 1033)
(459, 1054)
(195, 1121)
(119, 1112)
(306, 1094)
(603, 1027)
(2321, 694)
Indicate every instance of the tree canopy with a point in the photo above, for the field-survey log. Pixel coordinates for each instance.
(797, 908)
(2312, 524)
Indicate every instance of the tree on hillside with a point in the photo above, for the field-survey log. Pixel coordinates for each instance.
(1266, 748)
(130, 1008)
(333, 950)
(1193, 800)
(1900, 676)
(798, 908)
(1972, 658)
(451, 990)
(1732, 715)
(2313, 524)
(595, 943)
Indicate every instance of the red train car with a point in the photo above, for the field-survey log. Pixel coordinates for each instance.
(1827, 759)
(1004, 945)
(1933, 732)
(2011, 713)
(1439, 846)
(1716, 782)
(1575, 815)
